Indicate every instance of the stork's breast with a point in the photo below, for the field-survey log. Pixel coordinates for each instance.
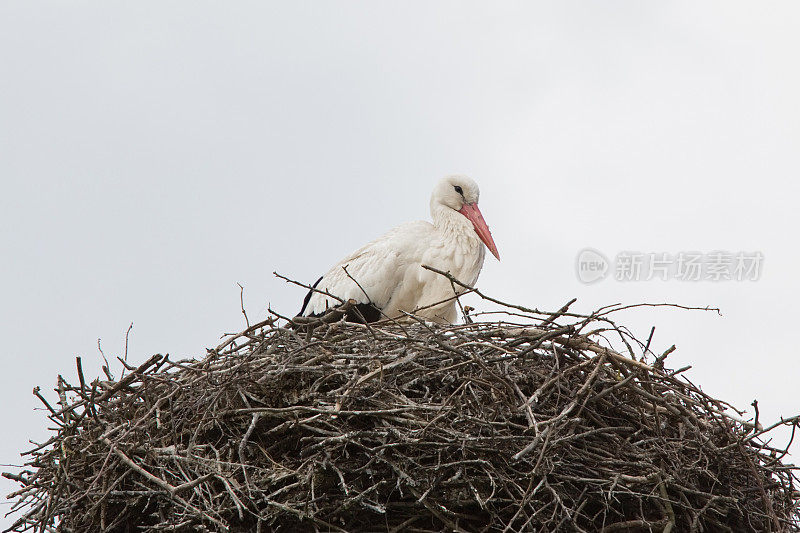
(466, 261)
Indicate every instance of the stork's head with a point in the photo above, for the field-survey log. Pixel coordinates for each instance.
(461, 194)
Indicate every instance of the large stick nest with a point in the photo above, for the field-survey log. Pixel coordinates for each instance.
(532, 423)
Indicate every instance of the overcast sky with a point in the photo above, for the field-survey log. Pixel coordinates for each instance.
(154, 154)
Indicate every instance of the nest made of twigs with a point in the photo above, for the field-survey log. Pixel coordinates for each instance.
(491, 426)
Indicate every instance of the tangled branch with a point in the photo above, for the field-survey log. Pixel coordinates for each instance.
(530, 422)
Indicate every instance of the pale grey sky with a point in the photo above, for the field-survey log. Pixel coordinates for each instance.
(154, 154)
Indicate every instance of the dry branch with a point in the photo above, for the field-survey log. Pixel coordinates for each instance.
(525, 423)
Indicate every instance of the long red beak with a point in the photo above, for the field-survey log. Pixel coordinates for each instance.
(474, 215)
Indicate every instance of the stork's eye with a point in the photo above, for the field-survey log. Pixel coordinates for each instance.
(459, 190)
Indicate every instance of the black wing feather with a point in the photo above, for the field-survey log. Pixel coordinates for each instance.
(361, 313)
(308, 297)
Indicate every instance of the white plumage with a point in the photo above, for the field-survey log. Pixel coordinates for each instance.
(389, 269)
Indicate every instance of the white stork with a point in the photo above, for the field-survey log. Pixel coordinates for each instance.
(386, 277)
